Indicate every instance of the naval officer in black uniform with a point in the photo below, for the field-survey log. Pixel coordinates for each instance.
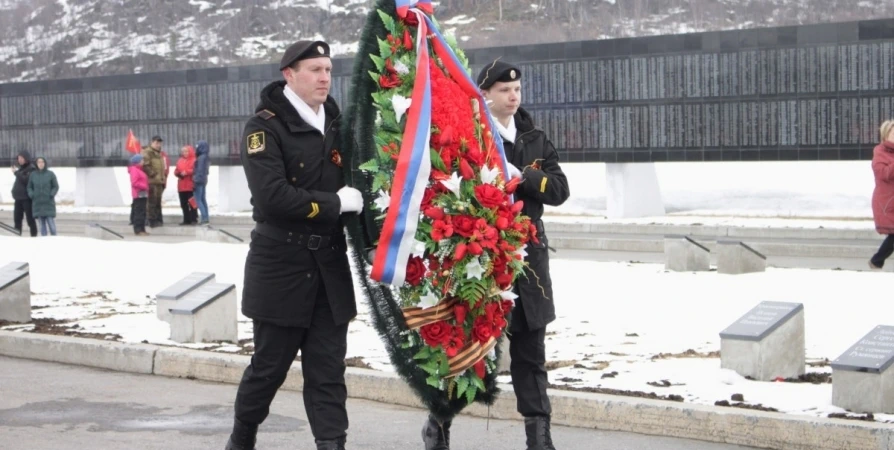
(296, 287)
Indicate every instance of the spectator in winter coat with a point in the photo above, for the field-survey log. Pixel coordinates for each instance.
(883, 195)
(154, 166)
(200, 178)
(139, 191)
(22, 208)
(184, 173)
(42, 189)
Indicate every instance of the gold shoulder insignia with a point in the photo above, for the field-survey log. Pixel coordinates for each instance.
(265, 114)
(256, 142)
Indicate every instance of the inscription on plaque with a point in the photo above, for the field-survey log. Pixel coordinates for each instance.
(873, 353)
(761, 321)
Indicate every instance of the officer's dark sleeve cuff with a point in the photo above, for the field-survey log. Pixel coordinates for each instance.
(535, 182)
(328, 205)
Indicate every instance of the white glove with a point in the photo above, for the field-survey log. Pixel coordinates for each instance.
(351, 200)
(513, 171)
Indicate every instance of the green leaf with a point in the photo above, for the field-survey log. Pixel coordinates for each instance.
(374, 76)
(388, 21)
(384, 49)
(437, 162)
(478, 383)
(470, 393)
(379, 62)
(445, 365)
(425, 353)
(461, 385)
(430, 367)
(379, 181)
(370, 166)
(434, 381)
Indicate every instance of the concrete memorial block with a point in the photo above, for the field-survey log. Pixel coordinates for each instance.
(9, 229)
(167, 299)
(211, 234)
(734, 258)
(15, 292)
(682, 254)
(97, 231)
(861, 377)
(766, 343)
(206, 314)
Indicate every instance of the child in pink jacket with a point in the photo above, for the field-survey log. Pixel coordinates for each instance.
(139, 190)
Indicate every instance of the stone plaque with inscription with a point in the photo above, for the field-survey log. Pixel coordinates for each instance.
(766, 343)
(861, 381)
(873, 353)
(761, 321)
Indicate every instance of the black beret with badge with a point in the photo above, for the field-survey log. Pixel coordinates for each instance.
(497, 71)
(302, 50)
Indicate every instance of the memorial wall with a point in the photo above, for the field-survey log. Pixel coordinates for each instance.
(814, 92)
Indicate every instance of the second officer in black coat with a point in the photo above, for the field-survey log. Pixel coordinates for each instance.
(296, 287)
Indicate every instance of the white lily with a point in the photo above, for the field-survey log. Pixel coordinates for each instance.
(400, 104)
(489, 175)
(521, 251)
(474, 269)
(418, 248)
(401, 68)
(382, 201)
(428, 300)
(453, 183)
(508, 295)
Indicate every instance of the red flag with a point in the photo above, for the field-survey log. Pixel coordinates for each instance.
(132, 144)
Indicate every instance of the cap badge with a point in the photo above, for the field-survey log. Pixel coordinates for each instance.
(512, 74)
(321, 50)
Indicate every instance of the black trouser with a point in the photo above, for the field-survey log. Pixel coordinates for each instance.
(190, 215)
(886, 250)
(323, 346)
(138, 214)
(23, 208)
(527, 350)
(154, 204)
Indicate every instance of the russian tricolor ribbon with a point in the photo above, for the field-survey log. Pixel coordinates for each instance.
(413, 169)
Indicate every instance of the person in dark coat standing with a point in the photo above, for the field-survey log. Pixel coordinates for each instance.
(22, 207)
(883, 195)
(295, 288)
(42, 189)
(200, 180)
(531, 156)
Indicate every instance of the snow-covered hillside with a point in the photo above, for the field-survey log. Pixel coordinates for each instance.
(50, 39)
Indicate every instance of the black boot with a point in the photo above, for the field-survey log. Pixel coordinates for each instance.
(334, 444)
(436, 436)
(243, 436)
(537, 430)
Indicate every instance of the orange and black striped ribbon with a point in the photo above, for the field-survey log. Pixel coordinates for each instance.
(417, 317)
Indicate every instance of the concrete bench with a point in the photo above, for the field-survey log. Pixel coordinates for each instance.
(682, 254)
(15, 292)
(168, 298)
(766, 343)
(862, 378)
(211, 234)
(734, 258)
(207, 314)
(97, 231)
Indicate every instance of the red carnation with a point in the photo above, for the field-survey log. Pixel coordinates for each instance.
(415, 271)
(459, 312)
(408, 41)
(464, 225)
(466, 170)
(475, 248)
(411, 19)
(427, 197)
(435, 334)
(441, 229)
(479, 368)
(483, 330)
(433, 212)
(455, 343)
(390, 81)
(489, 196)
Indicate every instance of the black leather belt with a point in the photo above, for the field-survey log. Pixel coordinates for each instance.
(304, 239)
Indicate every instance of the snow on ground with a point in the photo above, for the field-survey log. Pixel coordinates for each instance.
(612, 317)
(823, 191)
